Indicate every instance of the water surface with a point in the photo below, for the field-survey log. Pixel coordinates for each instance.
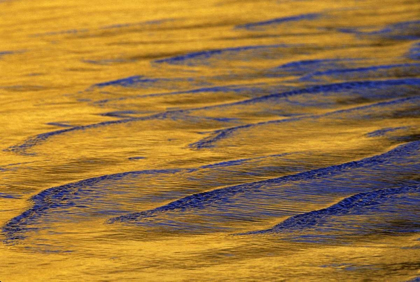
(209, 141)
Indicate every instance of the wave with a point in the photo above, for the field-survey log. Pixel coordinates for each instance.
(116, 194)
(278, 21)
(219, 135)
(381, 89)
(236, 205)
(106, 27)
(408, 30)
(41, 138)
(197, 58)
(384, 71)
(335, 87)
(383, 211)
(213, 89)
(293, 119)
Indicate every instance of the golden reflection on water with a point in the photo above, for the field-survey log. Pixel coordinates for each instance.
(126, 107)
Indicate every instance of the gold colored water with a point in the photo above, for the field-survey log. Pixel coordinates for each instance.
(209, 141)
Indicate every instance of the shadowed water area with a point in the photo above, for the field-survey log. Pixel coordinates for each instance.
(209, 141)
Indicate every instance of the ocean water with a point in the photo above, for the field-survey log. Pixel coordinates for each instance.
(272, 140)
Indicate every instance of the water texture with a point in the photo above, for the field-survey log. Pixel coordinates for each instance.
(209, 141)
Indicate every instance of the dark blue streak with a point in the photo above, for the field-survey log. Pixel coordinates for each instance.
(118, 26)
(4, 53)
(306, 63)
(398, 69)
(127, 82)
(59, 124)
(107, 61)
(400, 31)
(237, 162)
(182, 59)
(70, 31)
(230, 88)
(304, 67)
(278, 21)
(384, 131)
(414, 52)
(9, 196)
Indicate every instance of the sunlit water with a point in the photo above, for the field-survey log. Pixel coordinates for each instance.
(209, 140)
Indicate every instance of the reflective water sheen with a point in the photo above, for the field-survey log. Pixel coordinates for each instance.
(271, 140)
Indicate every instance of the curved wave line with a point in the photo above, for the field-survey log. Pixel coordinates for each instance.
(217, 135)
(343, 207)
(200, 200)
